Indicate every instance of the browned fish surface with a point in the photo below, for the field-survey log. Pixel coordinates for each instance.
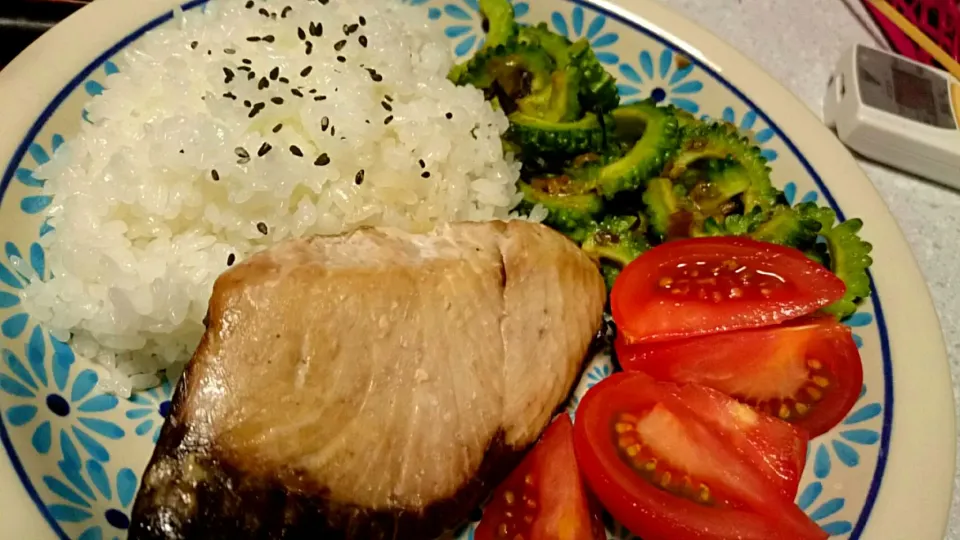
(372, 385)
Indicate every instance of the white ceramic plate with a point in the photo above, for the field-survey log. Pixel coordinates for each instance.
(885, 473)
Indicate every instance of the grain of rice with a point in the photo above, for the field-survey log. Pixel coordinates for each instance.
(141, 233)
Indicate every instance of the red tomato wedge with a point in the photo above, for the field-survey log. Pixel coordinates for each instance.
(777, 449)
(706, 285)
(666, 474)
(544, 498)
(807, 372)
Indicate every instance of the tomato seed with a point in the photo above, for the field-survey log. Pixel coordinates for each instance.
(814, 364)
(784, 411)
(814, 393)
(509, 497)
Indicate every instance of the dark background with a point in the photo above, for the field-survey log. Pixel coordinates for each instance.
(23, 21)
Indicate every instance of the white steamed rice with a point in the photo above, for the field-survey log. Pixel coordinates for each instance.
(152, 199)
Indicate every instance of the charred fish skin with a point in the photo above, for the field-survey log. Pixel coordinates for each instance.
(174, 504)
(226, 467)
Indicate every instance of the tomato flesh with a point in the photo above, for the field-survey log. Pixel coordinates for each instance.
(807, 372)
(701, 286)
(774, 447)
(544, 498)
(666, 474)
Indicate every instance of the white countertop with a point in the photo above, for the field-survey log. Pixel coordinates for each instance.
(798, 43)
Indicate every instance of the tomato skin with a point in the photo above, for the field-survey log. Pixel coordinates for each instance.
(562, 509)
(756, 510)
(752, 365)
(700, 286)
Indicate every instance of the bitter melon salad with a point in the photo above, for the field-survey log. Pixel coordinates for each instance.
(620, 178)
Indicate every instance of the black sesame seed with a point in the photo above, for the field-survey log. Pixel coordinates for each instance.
(228, 75)
(309, 48)
(284, 80)
(358, 179)
(273, 16)
(277, 100)
(295, 150)
(231, 258)
(251, 76)
(425, 175)
(374, 75)
(284, 11)
(423, 163)
(363, 41)
(215, 175)
(263, 83)
(230, 51)
(324, 2)
(249, 4)
(388, 119)
(209, 52)
(296, 92)
(244, 68)
(388, 97)
(181, 150)
(301, 34)
(324, 159)
(257, 107)
(338, 46)
(241, 152)
(274, 73)
(324, 123)
(247, 61)
(363, 20)
(333, 131)
(277, 128)
(320, 98)
(253, 39)
(230, 95)
(350, 29)
(306, 71)
(341, 59)
(386, 106)
(263, 12)
(269, 38)
(312, 91)
(316, 29)
(449, 115)
(246, 103)
(264, 148)
(194, 44)
(262, 227)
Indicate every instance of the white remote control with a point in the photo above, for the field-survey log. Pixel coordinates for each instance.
(898, 112)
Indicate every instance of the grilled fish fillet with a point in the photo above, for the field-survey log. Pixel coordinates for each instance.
(373, 385)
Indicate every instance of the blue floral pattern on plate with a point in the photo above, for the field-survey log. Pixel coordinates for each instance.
(50, 390)
(80, 487)
(671, 79)
(748, 124)
(151, 408)
(595, 32)
(790, 192)
(465, 24)
(823, 512)
(54, 415)
(845, 443)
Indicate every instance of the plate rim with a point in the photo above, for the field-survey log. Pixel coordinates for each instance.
(657, 23)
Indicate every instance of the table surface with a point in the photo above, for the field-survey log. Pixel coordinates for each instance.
(798, 44)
